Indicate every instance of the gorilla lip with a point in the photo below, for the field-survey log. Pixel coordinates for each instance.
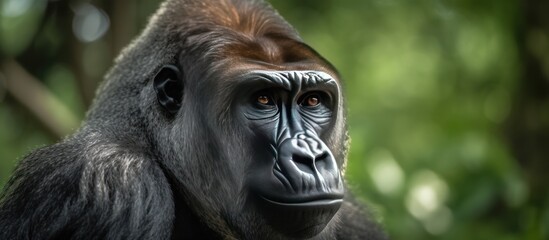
(302, 219)
(310, 203)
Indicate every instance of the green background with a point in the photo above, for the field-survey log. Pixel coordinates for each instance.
(448, 100)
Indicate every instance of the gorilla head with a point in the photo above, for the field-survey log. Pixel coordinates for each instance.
(217, 121)
(250, 119)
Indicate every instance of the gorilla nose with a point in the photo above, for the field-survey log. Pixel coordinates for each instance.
(303, 155)
(306, 154)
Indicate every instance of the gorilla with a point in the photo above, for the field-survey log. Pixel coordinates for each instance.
(217, 122)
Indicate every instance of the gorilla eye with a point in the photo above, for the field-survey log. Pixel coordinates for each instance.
(312, 100)
(263, 100)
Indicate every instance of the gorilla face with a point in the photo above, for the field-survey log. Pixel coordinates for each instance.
(273, 126)
(294, 176)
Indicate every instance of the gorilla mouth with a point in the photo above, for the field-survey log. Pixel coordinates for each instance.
(317, 202)
(303, 219)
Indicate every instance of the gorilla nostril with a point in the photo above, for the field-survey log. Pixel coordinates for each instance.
(321, 160)
(322, 157)
(300, 158)
(304, 162)
(305, 159)
(308, 163)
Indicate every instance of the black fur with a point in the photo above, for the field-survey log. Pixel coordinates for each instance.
(135, 171)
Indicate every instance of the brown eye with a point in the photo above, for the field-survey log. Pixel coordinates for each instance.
(312, 100)
(263, 99)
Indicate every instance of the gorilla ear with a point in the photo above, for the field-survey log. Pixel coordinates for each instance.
(169, 88)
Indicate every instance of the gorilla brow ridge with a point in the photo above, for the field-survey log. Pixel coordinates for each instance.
(284, 79)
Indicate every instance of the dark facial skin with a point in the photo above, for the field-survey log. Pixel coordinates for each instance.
(296, 180)
(290, 115)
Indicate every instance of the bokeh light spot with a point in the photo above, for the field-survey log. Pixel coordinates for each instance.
(14, 8)
(89, 23)
(387, 175)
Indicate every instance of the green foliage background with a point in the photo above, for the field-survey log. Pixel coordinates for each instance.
(448, 100)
